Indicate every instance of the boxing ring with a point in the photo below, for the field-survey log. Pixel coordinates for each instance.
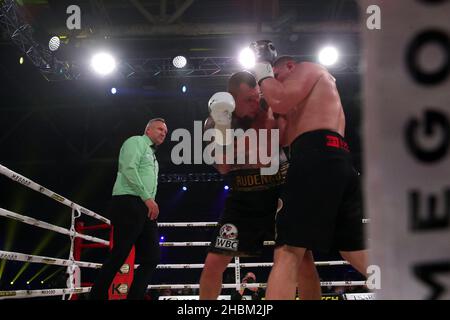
(74, 265)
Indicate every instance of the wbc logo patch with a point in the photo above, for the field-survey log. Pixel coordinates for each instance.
(227, 238)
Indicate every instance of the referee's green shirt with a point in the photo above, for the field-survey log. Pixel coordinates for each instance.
(138, 169)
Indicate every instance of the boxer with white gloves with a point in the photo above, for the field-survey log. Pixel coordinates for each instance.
(248, 217)
(221, 107)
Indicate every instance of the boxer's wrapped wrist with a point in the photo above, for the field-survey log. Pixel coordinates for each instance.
(262, 71)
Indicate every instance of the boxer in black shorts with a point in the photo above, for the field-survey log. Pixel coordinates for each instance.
(322, 196)
(249, 213)
(322, 202)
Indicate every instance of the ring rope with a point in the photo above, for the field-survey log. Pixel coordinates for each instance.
(255, 285)
(188, 224)
(16, 256)
(246, 265)
(19, 294)
(199, 244)
(48, 226)
(37, 187)
(205, 224)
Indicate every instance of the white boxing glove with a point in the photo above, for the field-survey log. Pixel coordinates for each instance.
(221, 106)
(262, 70)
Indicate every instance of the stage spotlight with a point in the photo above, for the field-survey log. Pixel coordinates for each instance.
(179, 62)
(11, 283)
(62, 252)
(328, 56)
(54, 43)
(226, 187)
(161, 238)
(21, 60)
(184, 188)
(11, 228)
(52, 275)
(113, 90)
(103, 63)
(247, 58)
(40, 246)
(184, 89)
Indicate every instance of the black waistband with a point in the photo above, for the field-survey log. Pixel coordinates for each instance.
(252, 180)
(320, 140)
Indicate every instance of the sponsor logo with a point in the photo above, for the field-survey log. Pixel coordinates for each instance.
(51, 291)
(8, 256)
(123, 288)
(21, 179)
(227, 244)
(119, 288)
(227, 237)
(228, 231)
(359, 296)
(125, 268)
(7, 293)
(48, 260)
(333, 297)
(337, 142)
(57, 197)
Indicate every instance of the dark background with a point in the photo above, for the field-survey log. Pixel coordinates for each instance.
(66, 134)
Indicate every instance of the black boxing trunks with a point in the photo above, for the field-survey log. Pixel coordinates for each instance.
(321, 196)
(248, 218)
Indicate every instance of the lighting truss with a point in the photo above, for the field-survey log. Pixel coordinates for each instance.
(21, 34)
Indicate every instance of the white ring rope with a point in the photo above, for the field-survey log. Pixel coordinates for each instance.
(17, 256)
(199, 244)
(188, 224)
(48, 226)
(19, 294)
(245, 265)
(36, 187)
(255, 285)
(205, 224)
